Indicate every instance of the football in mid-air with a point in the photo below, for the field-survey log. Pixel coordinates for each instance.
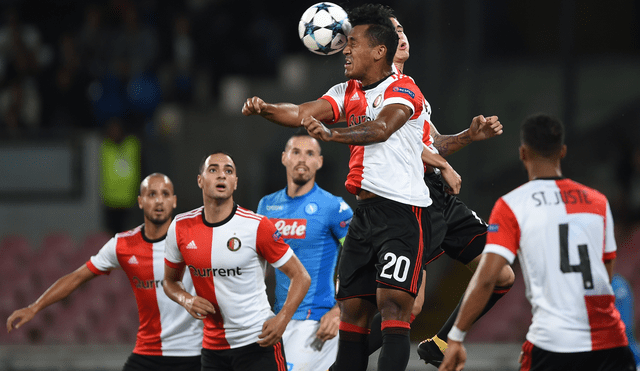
(323, 28)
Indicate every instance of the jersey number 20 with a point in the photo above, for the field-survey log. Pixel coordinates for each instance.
(585, 264)
(401, 267)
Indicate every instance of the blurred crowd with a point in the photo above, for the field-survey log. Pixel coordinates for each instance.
(66, 65)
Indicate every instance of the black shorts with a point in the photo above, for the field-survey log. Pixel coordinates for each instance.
(250, 357)
(383, 248)
(456, 230)
(140, 362)
(614, 359)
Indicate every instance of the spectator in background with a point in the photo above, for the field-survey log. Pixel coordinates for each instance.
(120, 158)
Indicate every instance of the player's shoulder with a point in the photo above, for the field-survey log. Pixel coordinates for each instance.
(248, 214)
(275, 196)
(401, 83)
(189, 214)
(130, 233)
(334, 203)
(594, 193)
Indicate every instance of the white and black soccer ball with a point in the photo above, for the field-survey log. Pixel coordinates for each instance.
(323, 28)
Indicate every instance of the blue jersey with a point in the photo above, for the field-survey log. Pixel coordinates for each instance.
(312, 225)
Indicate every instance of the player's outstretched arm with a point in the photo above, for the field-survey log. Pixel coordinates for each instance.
(475, 299)
(288, 114)
(481, 128)
(390, 119)
(196, 306)
(274, 327)
(62, 288)
(449, 174)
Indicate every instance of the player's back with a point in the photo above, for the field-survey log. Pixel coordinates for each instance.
(565, 234)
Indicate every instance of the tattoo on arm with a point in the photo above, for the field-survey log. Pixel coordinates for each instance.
(448, 144)
(363, 134)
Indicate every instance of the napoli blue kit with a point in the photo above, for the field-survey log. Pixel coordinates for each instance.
(312, 225)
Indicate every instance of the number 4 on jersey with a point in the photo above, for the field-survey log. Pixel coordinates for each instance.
(585, 264)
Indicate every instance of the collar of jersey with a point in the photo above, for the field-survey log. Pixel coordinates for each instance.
(213, 225)
(550, 178)
(373, 85)
(147, 239)
(315, 185)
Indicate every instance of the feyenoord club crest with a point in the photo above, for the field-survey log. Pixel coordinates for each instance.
(234, 244)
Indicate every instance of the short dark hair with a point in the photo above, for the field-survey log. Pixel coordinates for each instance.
(381, 30)
(543, 133)
(204, 159)
(302, 132)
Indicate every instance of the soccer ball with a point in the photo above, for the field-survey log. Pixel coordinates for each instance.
(323, 28)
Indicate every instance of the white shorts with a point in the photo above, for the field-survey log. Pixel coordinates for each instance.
(301, 355)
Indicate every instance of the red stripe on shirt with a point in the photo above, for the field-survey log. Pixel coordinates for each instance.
(579, 198)
(200, 258)
(607, 329)
(503, 227)
(148, 340)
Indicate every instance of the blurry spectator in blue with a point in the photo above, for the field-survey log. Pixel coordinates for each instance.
(624, 303)
(120, 157)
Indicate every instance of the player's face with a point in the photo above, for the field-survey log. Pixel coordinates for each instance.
(358, 53)
(402, 52)
(218, 180)
(157, 199)
(302, 159)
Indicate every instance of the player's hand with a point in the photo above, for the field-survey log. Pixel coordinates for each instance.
(253, 106)
(482, 128)
(329, 325)
(198, 307)
(317, 129)
(453, 179)
(454, 357)
(272, 331)
(23, 316)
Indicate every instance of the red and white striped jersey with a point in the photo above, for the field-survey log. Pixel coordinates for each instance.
(227, 262)
(392, 169)
(166, 329)
(562, 232)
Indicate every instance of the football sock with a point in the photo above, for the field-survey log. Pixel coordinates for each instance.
(375, 337)
(352, 348)
(396, 346)
(498, 292)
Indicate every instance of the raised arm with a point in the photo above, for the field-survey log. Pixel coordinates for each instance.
(390, 119)
(288, 114)
(274, 327)
(62, 288)
(481, 128)
(196, 306)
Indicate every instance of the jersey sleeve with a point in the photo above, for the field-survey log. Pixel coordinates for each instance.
(172, 255)
(610, 247)
(106, 259)
(339, 223)
(270, 245)
(503, 234)
(335, 96)
(406, 92)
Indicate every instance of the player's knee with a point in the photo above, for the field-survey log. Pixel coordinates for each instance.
(506, 278)
(395, 305)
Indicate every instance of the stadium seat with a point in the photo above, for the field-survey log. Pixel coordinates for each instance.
(16, 248)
